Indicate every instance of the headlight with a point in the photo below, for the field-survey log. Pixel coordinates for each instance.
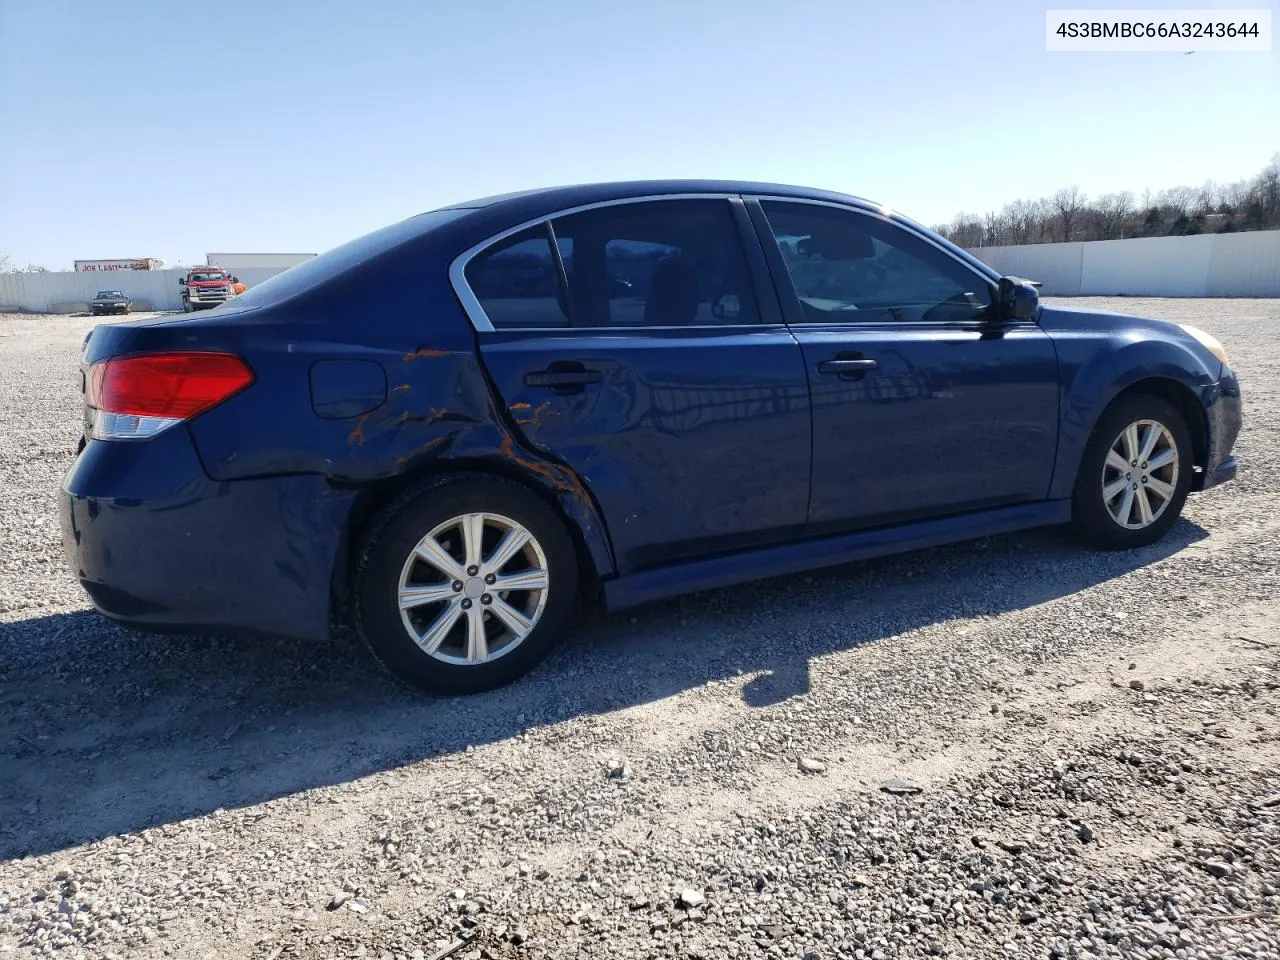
(1209, 342)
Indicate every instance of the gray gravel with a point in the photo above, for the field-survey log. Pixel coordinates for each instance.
(1015, 747)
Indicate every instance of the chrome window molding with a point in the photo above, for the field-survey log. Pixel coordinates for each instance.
(475, 312)
(480, 320)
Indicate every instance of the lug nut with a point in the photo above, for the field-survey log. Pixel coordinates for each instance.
(486, 599)
(1128, 476)
(1133, 463)
(491, 579)
(466, 604)
(472, 571)
(1144, 466)
(1135, 486)
(457, 585)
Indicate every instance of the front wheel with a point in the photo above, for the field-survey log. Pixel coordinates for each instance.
(1135, 474)
(464, 584)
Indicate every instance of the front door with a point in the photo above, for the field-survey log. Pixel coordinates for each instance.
(629, 344)
(922, 407)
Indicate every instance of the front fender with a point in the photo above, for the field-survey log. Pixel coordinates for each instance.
(1092, 378)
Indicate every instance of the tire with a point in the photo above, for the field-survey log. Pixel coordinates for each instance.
(186, 306)
(1097, 518)
(390, 559)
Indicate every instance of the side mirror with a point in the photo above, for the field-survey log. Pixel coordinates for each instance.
(1019, 299)
(182, 281)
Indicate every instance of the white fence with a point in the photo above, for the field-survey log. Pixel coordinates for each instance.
(71, 292)
(1205, 265)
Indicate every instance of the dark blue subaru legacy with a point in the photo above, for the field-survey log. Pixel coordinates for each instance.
(454, 430)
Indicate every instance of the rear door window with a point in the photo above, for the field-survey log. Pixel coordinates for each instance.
(661, 263)
(517, 283)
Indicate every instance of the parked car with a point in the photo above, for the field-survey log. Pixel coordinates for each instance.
(453, 431)
(109, 301)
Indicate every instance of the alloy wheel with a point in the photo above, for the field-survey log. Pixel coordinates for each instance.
(473, 589)
(1140, 474)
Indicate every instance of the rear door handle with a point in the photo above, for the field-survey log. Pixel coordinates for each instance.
(847, 367)
(563, 378)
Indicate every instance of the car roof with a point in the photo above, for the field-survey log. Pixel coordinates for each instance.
(563, 197)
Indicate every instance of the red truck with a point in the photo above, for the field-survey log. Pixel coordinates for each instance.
(207, 287)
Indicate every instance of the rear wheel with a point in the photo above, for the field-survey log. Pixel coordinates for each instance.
(464, 584)
(1135, 474)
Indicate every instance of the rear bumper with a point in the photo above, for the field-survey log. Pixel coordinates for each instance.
(160, 546)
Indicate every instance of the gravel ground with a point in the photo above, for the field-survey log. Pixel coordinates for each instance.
(1014, 747)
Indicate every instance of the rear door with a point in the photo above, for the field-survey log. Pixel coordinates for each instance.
(639, 344)
(922, 406)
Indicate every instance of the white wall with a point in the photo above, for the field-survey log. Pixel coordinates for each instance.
(1204, 265)
(70, 292)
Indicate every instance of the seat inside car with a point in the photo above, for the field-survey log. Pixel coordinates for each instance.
(673, 293)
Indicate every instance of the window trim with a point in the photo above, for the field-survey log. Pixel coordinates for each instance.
(786, 286)
(472, 307)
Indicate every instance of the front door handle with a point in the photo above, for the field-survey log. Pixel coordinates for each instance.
(563, 377)
(848, 367)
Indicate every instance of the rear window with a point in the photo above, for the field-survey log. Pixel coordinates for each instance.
(333, 262)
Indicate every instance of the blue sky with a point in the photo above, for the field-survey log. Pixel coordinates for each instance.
(151, 128)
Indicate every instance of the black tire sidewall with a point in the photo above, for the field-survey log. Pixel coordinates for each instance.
(398, 530)
(1089, 512)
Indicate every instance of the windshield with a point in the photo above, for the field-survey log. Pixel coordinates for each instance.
(104, 294)
(208, 275)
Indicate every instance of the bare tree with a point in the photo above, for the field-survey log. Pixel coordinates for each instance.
(1179, 200)
(4, 262)
(1021, 218)
(1252, 204)
(1068, 202)
(1112, 210)
(1207, 199)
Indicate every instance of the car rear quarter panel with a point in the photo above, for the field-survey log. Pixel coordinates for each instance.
(1102, 355)
(438, 410)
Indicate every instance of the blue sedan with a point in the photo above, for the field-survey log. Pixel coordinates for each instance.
(456, 430)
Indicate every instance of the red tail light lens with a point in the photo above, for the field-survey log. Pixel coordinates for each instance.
(134, 397)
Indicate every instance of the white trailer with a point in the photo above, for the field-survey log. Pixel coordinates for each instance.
(239, 261)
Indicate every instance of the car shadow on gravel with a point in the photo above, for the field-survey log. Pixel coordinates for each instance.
(105, 731)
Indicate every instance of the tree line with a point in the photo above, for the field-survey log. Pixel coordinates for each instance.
(1252, 204)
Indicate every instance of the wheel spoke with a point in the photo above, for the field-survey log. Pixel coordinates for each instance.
(524, 580)
(516, 622)
(477, 642)
(1144, 506)
(1154, 431)
(1114, 489)
(1126, 507)
(430, 551)
(1163, 458)
(1165, 490)
(1130, 437)
(472, 538)
(435, 634)
(511, 544)
(415, 595)
(1117, 462)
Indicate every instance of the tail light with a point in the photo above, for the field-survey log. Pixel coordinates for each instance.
(132, 398)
